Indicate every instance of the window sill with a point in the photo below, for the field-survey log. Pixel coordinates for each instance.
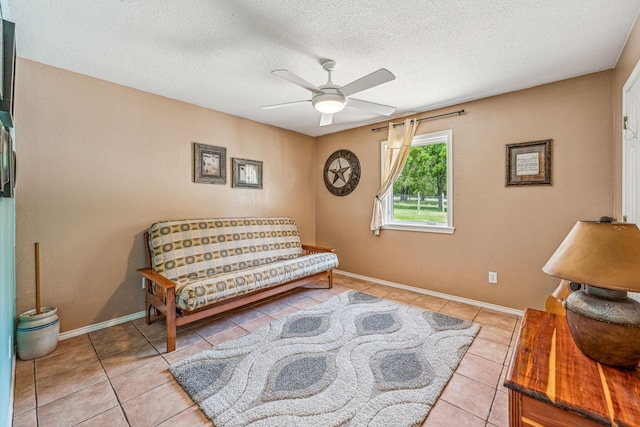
(419, 228)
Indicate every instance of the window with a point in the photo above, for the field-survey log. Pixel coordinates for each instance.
(420, 199)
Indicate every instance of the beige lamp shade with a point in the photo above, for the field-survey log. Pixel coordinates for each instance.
(605, 255)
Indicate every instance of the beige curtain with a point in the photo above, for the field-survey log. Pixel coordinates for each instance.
(395, 156)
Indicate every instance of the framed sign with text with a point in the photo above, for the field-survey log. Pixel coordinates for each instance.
(528, 163)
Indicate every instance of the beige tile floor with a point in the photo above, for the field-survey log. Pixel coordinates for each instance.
(118, 376)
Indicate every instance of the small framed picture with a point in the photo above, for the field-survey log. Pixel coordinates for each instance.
(247, 173)
(209, 164)
(7, 164)
(528, 163)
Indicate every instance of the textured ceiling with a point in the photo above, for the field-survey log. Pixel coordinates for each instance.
(219, 54)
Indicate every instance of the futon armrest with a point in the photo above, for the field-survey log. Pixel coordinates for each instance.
(311, 249)
(157, 278)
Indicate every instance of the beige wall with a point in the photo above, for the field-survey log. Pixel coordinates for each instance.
(98, 163)
(512, 231)
(626, 63)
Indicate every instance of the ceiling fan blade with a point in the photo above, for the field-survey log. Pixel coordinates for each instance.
(385, 110)
(288, 75)
(374, 79)
(286, 104)
(326, 119)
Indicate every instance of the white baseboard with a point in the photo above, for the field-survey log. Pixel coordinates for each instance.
(101, 325)
(433, 293)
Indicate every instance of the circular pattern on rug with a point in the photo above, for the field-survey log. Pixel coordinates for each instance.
(397, 369)
(377, 323)
(441, 322)
(285, 382)
(304, 326)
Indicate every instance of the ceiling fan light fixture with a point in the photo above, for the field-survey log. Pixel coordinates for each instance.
(330, 98)
(329, 103)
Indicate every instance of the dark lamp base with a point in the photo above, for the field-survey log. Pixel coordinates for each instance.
(605, 329)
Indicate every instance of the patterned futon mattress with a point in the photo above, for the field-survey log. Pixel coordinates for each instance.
(214, 259)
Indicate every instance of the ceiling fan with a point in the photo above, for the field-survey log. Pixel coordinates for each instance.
(330, 98)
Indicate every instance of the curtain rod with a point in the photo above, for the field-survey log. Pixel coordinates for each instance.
(459, 112)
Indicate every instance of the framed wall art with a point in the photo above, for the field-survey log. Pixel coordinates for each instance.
(246, 173)
(341, 172)
(528, 163)
(209, 164)
(7, 164)
(8, 71)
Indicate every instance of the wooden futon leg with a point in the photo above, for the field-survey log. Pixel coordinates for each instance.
(170, 317)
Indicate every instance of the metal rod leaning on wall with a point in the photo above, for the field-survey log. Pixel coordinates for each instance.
(459, 112)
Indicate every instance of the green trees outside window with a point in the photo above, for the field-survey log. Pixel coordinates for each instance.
(420, 192)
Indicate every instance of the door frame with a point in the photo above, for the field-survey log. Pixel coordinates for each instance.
(633, 78)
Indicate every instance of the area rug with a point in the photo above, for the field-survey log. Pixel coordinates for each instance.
(354, 360)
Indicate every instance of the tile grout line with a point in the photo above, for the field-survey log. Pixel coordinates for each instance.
(35, 394)
(493, 401)
(456, 406)
(124, 414)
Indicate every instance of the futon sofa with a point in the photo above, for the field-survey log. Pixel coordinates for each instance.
(201, 267)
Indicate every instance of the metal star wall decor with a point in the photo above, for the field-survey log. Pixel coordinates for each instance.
(342, 172)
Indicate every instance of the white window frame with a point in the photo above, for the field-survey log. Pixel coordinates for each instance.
(388, 223)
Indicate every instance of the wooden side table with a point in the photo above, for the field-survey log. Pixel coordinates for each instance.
(551, 383)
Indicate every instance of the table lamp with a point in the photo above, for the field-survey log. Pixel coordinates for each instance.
(604, 322)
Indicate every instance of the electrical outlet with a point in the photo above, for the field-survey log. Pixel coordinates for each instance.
(493, 277)
(144, 282)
